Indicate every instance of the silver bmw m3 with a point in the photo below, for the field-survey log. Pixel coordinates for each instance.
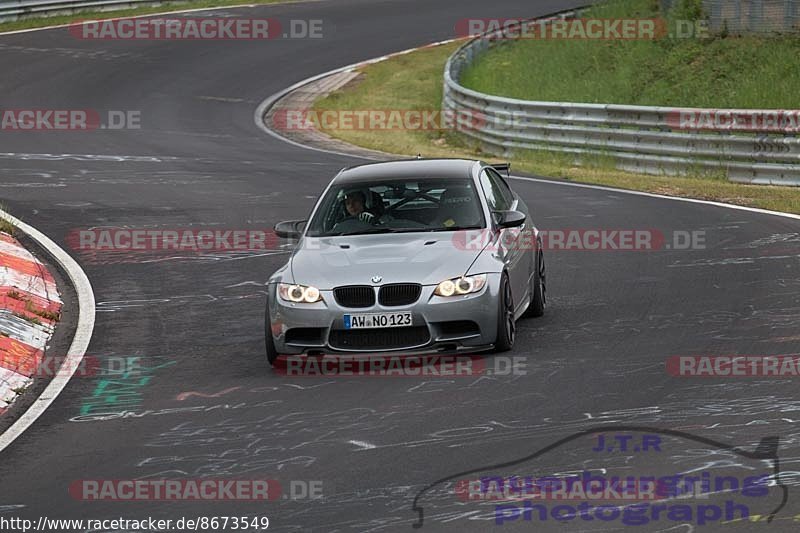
(417, 256)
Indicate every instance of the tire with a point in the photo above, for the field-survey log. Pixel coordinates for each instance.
(272, 352)
(538, 289)
(506, 326)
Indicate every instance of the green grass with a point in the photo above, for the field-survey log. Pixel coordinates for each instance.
(31, 319)
(47, 315)
(410, 81)
(165, 7)
(414, 81)
(732, 72)
(7, 227)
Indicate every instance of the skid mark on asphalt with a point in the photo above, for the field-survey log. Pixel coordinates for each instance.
(192, 134)
(730, 261)
(116, 258)
(245, 284)
(86, 157)
(253, 443)
(189, 394)
(226, 99)
(72, 53)
(257, 390)
(362, 444)
(112, 306)
(760, 410)
(10, 508)
(719, 324)
(31, 185)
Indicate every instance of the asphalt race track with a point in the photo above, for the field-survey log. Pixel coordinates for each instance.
(596, 357)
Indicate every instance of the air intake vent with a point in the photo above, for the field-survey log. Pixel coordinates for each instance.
(379, 339)
(399, 294)
(355, 296)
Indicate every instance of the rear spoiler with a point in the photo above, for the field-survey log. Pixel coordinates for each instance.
(503, 167)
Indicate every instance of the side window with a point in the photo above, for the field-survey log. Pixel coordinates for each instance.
(495, 195)
(501, 184)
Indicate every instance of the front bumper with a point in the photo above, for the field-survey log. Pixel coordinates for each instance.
(455, 324)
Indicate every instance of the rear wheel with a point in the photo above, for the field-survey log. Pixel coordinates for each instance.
(538, 289)
(506, 326)
(272, 352)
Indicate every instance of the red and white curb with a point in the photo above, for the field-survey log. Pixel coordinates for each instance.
(23, 274)
(29, 309)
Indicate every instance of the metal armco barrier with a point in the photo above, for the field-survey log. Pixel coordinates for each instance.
(10, 11)
(639, 138)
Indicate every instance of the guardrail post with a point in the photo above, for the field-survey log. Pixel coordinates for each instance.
(739, 23)
(789, 15)
(756, 22)
(716, 20)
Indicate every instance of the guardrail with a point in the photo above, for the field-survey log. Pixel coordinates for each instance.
(639, 138)
(18, 9)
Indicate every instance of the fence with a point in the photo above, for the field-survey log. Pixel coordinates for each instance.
(749, 16)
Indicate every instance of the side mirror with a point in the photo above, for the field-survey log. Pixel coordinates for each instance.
(509, 219)
(290, 229)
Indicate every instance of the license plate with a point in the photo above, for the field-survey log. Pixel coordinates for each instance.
(377, 320)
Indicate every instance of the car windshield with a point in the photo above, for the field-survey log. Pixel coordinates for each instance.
(398, 206)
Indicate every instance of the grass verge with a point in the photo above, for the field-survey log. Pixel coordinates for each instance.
(414, 81)
(700, 69)
(164, 7)
(7, 227)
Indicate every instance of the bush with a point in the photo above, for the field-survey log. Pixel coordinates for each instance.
(687, 10)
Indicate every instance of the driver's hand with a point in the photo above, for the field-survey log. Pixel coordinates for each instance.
(366, 217)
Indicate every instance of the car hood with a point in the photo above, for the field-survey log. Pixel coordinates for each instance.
(426, 258)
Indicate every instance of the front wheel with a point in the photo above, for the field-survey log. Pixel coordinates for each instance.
(506, 326)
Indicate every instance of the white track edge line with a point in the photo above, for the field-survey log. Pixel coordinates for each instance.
(80, 342)
(660, 196)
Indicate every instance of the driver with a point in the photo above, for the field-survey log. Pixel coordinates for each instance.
(355, 204)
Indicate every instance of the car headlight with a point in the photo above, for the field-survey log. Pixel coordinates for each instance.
(460, 286)
(298, 293)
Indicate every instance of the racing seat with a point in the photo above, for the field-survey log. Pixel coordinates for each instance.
(375, 204)
(458, 206)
